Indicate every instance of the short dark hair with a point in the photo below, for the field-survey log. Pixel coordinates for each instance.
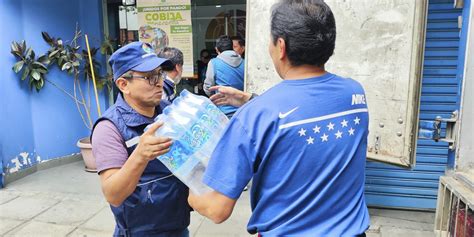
(308, 28)
(173, 54)
(224, 43)
(204, 51)
(239, 39)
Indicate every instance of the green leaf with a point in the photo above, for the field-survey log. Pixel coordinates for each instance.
(31, 83)
(41, 82)
(14, 47)
(29, 52)
(32, 56)
(42, 71)
(44, 60)
(18, 66)
(60, 42)
(76, 63)
(66, 66)
(36, 75)
(78, 56)
(52, 54)
(26, 72)
(93, 51)
(23, 46)
(18, 54)
(39, 65)
(46, 37)
(38, 86)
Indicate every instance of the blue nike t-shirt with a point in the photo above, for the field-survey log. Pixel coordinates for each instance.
(304, 143)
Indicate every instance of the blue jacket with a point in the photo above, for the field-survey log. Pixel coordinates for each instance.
(169, 90)
(158, 206)
(225, 70)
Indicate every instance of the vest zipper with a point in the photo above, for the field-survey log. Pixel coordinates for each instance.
(149, 195)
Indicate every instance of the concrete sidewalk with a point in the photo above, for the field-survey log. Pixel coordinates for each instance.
(66, 201)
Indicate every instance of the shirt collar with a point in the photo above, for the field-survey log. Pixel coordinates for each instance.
(131, 117)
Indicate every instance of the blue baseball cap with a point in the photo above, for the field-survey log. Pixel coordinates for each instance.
(135, 56)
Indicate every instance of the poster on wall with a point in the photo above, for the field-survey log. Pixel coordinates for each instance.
(167, 23)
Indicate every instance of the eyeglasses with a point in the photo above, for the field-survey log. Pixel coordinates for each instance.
(153, 80)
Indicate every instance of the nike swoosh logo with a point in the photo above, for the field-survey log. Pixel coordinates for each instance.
(282, 116)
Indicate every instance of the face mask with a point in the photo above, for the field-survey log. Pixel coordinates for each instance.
(177, 79)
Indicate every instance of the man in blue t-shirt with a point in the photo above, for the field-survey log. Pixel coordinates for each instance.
(304, 141)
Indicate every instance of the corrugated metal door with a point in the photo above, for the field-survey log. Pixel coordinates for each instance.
(417, 188)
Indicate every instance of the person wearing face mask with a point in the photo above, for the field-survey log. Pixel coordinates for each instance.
(173, 73)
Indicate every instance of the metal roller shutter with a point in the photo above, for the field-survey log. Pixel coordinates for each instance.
(417, 188)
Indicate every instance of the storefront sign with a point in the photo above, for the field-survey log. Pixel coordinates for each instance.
(168, 23)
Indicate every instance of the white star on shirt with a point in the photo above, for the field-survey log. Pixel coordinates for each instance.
(302, 132)
(324, 137)
(344, 123)
(316, 129)
(310, 140)
(330, 126)
(357, 120)
(338, 134)
(351, 132)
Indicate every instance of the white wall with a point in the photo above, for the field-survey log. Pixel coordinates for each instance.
(379, 44)
(465, 152)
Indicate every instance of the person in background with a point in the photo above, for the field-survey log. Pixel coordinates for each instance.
(227, 69)
(204, 57)
(145, 198)
(173, 73)
(238, 44)
(303, 141)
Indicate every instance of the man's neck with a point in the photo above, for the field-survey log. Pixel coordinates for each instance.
(143, 110)
(302, 72)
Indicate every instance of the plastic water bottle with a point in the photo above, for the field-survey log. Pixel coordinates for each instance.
(196, 125)
(204, 102)
(200, 113)
(203, 128)
(198, 134)
(184, 161)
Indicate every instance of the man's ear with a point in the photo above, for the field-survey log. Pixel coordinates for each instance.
(281, 46)
(217, 51)
(122, 85)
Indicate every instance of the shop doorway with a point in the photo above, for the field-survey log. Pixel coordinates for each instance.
(210, 19)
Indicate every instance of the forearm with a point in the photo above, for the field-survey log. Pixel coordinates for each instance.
(121, 184)
(207, 84)
(212, 205)
(245, 97)
(209, 81)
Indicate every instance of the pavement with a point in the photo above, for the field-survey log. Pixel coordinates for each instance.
(67, 201)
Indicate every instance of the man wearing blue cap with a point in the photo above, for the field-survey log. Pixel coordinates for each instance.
(145, 198)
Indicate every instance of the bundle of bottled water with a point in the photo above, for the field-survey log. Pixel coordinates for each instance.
(195, 124)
